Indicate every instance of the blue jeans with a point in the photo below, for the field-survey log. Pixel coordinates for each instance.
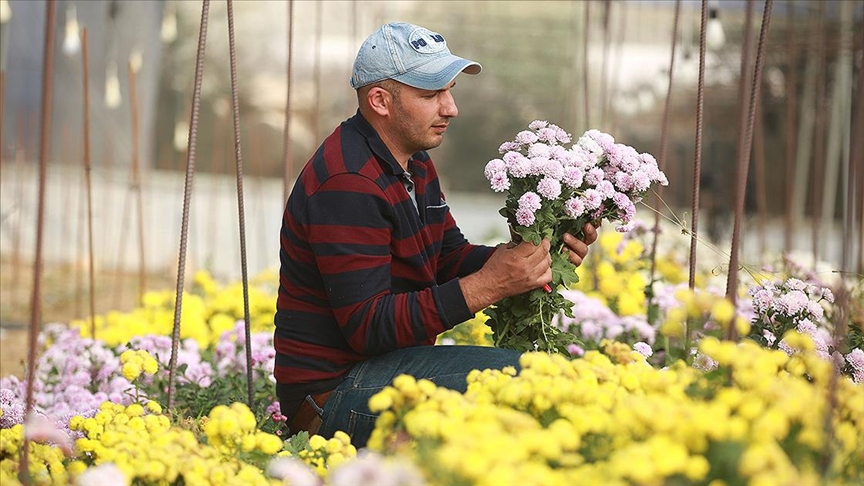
(347, 409)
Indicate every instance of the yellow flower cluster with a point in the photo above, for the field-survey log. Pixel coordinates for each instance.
(234, 429)
(148, 449)
(208, 310)
(700, 306)
(324, 454)
(617, 273)
(602, 420)
(471, 332)
(136, 362)
(45, 462)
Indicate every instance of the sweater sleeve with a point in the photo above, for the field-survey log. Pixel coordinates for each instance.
(349, 221)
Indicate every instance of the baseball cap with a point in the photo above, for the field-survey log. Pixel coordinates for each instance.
(409, 54)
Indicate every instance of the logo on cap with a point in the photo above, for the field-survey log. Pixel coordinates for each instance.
(425, 41)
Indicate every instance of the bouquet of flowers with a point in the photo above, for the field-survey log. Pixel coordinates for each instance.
(552, 190)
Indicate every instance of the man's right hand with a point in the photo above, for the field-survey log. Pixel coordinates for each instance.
(511, 270)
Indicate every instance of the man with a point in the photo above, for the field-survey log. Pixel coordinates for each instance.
(373, 264)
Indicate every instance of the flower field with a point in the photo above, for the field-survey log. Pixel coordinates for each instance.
(653, 393)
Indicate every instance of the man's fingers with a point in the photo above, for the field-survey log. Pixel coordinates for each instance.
(577, 249)
(590, 231)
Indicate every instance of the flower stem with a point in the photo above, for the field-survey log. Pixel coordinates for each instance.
(543, 326)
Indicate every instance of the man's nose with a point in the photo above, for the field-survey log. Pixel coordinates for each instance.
(448, 105)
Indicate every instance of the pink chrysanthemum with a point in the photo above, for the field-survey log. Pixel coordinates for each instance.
(590, 145)
(648, 159)
(549, 188)
(511, 157)
(629, 158)
(548, 135)
(572, 177)
(508, 146)
(562, 136)
(592, 198)
(792, 303)
(500, 182)
(553, 169)
(493, 167)
(594, 176)
(560, 154)
(856, 359)
(626, 227)
(580, 157)
(643, 348)
(625, 205)
(538, 150)
(526, 137)
(815, 309)
(530, 201)
(517, 164)
(641, 183)
(574, 207)
(538, 124)
(575, 350)
(520, 168)
(606, 189)
(537, 165)
(524, 217)
(623, 181)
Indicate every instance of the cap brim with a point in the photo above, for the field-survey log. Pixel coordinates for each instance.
(438, 73)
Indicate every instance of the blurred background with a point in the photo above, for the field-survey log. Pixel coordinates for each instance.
(579, 64)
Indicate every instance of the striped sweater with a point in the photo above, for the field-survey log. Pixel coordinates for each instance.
(365, 269)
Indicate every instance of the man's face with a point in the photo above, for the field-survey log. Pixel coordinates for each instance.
(420, 117)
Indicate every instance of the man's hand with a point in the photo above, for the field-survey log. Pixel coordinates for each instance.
(577, 248)
(511, 270)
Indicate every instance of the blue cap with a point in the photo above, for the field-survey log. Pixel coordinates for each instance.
(409, 54)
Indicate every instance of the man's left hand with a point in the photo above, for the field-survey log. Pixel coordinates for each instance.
(577, 248)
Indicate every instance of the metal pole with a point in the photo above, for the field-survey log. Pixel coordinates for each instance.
(136, 187)
(316, 72)
(819, 144)
(604, 76)
(286, 139)
(753, 99)
(697, 157)
(664, 143)
(187, 196)
(240, 204)
(87, 174)
(44, 149)
(585, 70)
(743, 160)
(791, 117)
(759, 166)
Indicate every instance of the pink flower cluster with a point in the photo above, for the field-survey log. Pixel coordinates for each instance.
(595, 177)
(856, 359)
(793, 304)
(75, 375)
(593, 322)
(188, 354)
(793, 299)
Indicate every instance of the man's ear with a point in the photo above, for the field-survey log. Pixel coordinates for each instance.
(379, 100)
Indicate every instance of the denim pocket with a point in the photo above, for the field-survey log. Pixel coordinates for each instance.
(360, 426)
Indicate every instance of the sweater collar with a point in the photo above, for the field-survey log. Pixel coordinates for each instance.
(378, 147)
